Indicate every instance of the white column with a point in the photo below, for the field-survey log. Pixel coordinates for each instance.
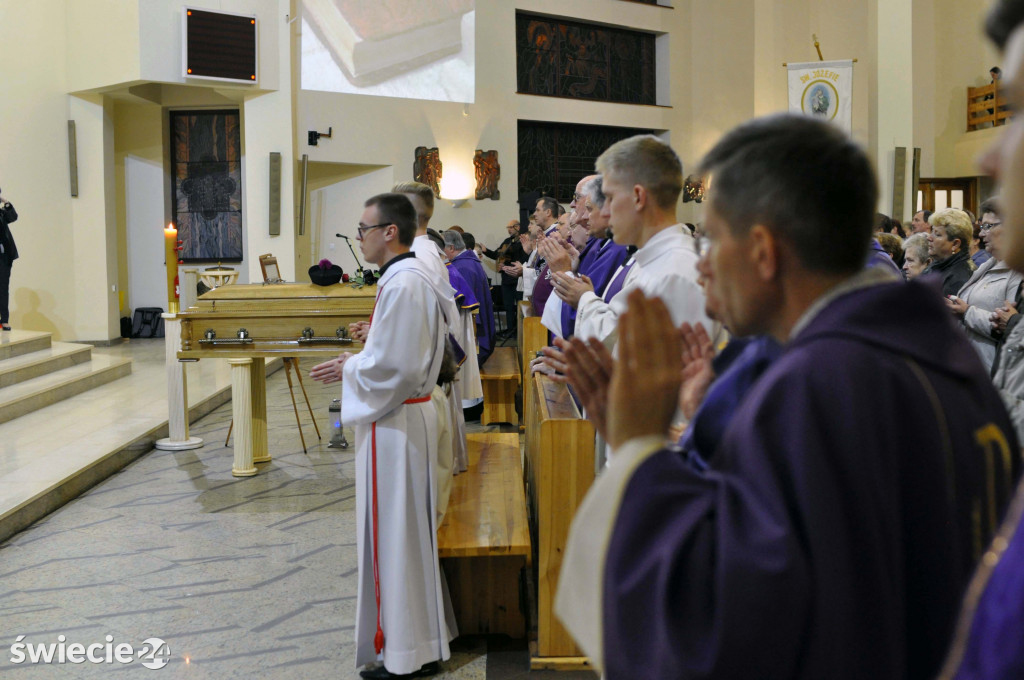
(892, 102)
(241, 408)
(177, 391)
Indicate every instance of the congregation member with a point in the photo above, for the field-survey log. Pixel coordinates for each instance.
(915, 256)
(642, 178)
(510, 251)
(919, 222)
(829, 536)
(463, 259)
(401, 617)
(987, 644)
(979, 252)
(948, 247)
(991, 285)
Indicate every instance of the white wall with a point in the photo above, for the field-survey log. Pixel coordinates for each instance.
(335, 209)
(34, 166)
(143, 181)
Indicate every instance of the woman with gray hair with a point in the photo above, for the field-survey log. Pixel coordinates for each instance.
(992, 284)
(949, 245)
(915, 256)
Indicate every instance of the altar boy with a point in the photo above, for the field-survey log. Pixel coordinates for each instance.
(400, 612)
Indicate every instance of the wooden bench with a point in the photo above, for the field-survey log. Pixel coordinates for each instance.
(484, 541)
(500, 379)
(533, 337)
(559, 471)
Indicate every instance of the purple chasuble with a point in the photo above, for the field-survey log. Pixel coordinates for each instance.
(834, 531)
(615, 286)
(472, 271)
(541, 290)
(599, 260)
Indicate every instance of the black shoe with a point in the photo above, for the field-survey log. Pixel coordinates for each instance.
(381, 673)
(6, 326)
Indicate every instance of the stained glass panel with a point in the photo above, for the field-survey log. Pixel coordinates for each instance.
(207, 184)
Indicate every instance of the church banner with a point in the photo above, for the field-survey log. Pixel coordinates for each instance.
(823, 89)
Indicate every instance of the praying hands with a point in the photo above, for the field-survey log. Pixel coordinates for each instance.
(330, 371)
(570, 289)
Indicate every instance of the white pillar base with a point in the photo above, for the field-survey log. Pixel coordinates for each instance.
(167, 444)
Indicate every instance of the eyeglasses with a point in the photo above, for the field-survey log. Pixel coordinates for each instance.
(363, 228)
(989, 225)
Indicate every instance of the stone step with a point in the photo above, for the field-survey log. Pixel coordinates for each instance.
(36, 393)
(15, 343)
(54, 358)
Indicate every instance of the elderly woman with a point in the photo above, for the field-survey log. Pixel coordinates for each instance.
(992, 284)
(915, 256)
(948, 244)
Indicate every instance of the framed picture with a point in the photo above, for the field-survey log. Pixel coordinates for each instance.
(206, 178)
(268, 263)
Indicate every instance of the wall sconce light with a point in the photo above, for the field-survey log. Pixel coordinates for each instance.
(693, 189)
(458, 202)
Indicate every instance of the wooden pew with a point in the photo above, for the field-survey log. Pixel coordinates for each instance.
(500, 379)
(559, 468)
(484, 541)
(533, 336)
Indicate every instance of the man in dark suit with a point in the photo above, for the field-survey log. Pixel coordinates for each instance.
(8, 254)
(509, 252)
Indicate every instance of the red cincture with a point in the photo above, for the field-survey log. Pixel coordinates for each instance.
(378, 637)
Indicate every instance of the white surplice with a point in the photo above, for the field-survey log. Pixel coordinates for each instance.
(666, 267)
(428, 253)
(400, 361)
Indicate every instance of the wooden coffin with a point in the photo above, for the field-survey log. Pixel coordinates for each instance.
(269, 320)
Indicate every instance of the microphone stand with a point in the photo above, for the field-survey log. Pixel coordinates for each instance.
(353, 251)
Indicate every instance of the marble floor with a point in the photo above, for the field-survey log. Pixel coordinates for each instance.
(242, 578)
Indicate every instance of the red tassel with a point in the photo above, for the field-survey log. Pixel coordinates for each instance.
(378, 638)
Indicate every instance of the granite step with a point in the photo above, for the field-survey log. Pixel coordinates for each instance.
(34, 364)
(35, 393)
(16, 343)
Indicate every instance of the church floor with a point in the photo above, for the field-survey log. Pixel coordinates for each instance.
(242, 578)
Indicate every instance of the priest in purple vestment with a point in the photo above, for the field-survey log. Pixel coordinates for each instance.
(832, 534)
(472, 271)
(601, 257)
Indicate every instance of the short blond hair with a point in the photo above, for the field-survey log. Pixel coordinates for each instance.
(649, 162)
(422, 192)
(957, 224)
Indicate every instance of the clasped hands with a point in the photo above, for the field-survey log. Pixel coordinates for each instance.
(659, 367)
(1001, 316)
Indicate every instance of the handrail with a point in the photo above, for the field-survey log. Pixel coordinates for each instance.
(986, 106)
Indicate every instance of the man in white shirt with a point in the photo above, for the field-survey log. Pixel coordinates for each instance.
(642, 180)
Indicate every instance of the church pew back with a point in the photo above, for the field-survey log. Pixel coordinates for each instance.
(559, 471)
(499, 377)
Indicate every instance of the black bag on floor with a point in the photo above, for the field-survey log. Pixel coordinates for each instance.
(147, 323)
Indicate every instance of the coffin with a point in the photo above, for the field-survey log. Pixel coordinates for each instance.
(268, 320)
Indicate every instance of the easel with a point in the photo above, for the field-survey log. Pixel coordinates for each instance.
(269, 262)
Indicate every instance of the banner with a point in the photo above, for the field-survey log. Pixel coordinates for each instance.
(823, 89)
